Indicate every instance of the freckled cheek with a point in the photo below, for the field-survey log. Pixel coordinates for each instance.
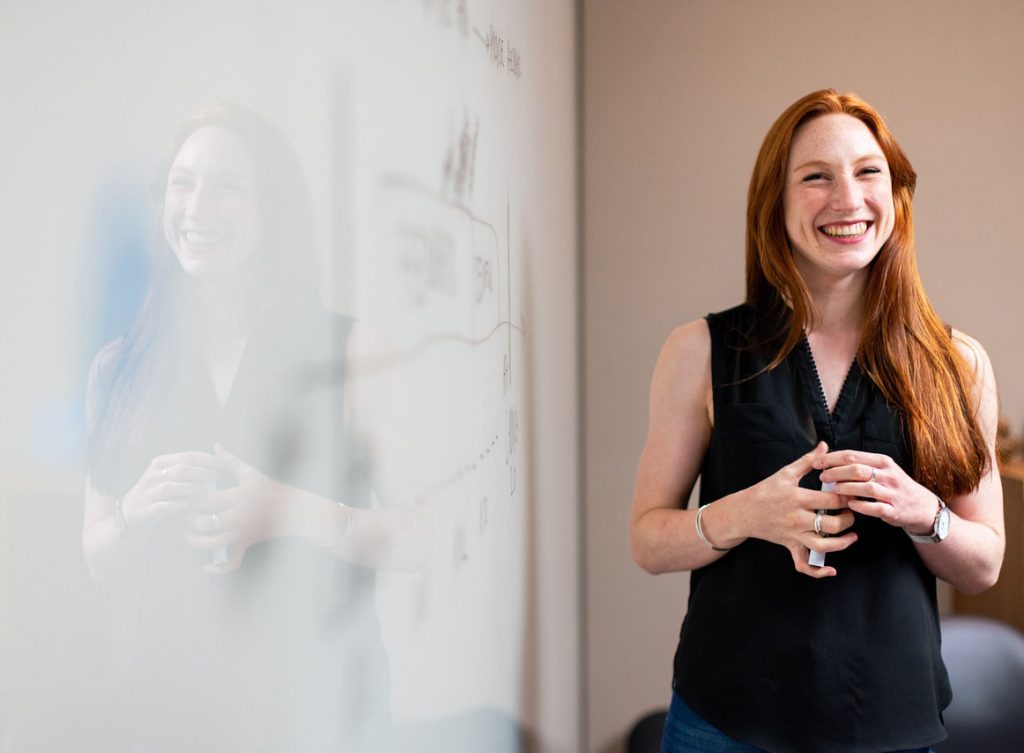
(171, 220)
(887, 216)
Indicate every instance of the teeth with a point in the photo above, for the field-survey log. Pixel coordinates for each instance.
(202, 239)
(846, 231)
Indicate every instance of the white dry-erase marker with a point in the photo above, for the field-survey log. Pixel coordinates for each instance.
(220, 556)
(817, 559)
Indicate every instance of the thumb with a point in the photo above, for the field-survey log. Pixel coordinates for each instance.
(232, 462)
(805, 463)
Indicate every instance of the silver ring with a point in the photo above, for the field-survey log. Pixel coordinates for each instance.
(817, 521)
(874, 477)
(164, 472)
(214, 522)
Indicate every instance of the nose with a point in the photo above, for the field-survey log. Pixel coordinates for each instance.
(200, 202)
(847, 195)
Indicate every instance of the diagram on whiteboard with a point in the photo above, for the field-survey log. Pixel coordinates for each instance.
(439, 274)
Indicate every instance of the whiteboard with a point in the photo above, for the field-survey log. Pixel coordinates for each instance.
(438, 138)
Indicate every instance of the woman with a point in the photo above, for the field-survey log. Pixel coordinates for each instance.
(227, 494)
(834, 413)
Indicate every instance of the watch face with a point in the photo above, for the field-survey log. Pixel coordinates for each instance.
(942, 524)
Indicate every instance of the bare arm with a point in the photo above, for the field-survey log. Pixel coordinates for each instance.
(662, 533)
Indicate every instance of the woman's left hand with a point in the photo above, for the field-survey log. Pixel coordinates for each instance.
(229, 521)
(891, 494)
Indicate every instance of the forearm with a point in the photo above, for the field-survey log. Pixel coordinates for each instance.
(390, 539)
(969, 558)
(665, 539)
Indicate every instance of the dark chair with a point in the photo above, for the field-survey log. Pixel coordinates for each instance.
(645, 737)
(985, 660)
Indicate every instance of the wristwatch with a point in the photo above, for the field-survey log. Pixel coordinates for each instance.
(940, 528)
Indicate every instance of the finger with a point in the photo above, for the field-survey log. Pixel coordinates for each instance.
(828, 544)
(811, 499)
(172, 491)
(836, 524)
(216, 502)
(233, 562)
(877, 509)
(800, 555)
(159, 509)
(851, 457)
(190, 457)
(209, 542)
(855, 472)
(209, 524)
(860, 489)
(189, 473)
(232, 462)
(806, 463)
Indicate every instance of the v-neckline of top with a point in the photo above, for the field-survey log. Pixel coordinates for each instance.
(816, 391)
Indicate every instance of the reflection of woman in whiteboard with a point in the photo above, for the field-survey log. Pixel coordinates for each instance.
(227, 491)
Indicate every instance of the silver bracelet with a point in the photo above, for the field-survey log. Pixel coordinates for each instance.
(348, 524)
(119, 522)
(700, 532)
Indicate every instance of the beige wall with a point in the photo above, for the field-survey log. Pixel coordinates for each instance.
(677, 96)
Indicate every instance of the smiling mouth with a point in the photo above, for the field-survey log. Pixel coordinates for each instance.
(203, 239)
(846, 230)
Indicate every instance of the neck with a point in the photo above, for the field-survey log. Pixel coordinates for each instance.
(839, 304)
(223, 312)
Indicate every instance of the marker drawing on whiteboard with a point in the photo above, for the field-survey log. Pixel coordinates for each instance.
(817, 559)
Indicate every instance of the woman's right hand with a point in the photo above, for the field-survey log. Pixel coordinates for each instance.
(783, 512)
(168, 485)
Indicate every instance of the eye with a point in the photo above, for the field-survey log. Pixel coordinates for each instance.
(179, 181)
(813, 177)
(231, 185)
(871, 171)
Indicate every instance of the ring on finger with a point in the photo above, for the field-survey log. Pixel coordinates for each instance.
(874, 476)
(817, 521)
(214, 522)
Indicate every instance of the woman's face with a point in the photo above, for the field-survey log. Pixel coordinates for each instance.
(838, 197)
(211, 212)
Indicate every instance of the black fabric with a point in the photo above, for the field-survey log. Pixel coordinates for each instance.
(792, 664)
(284, 653)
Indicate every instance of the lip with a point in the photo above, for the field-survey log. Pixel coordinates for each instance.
(202, 238)
(846, 239)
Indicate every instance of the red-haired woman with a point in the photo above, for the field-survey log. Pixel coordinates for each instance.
(844, 438)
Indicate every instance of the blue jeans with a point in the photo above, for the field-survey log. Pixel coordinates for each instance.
(685, 732)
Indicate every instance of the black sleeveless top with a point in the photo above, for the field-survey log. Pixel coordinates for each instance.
(285, 653)
(789, 663)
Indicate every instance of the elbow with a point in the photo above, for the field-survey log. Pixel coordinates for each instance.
(982, 581)
(642, 554)
(982, 577)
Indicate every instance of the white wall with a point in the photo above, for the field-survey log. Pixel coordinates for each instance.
(677, 99)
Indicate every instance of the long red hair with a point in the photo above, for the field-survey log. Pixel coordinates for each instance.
(904, 346)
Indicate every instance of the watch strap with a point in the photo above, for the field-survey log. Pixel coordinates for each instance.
(934, 537)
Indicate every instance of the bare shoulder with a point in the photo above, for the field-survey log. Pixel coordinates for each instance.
(975, 355)
(985, 382)
(683, 372)
(687, 348)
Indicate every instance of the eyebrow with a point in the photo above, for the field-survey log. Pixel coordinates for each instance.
(823, 163)
(229, 173)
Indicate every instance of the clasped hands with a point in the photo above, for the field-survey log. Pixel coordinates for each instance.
(865, 482)
(226, 520)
